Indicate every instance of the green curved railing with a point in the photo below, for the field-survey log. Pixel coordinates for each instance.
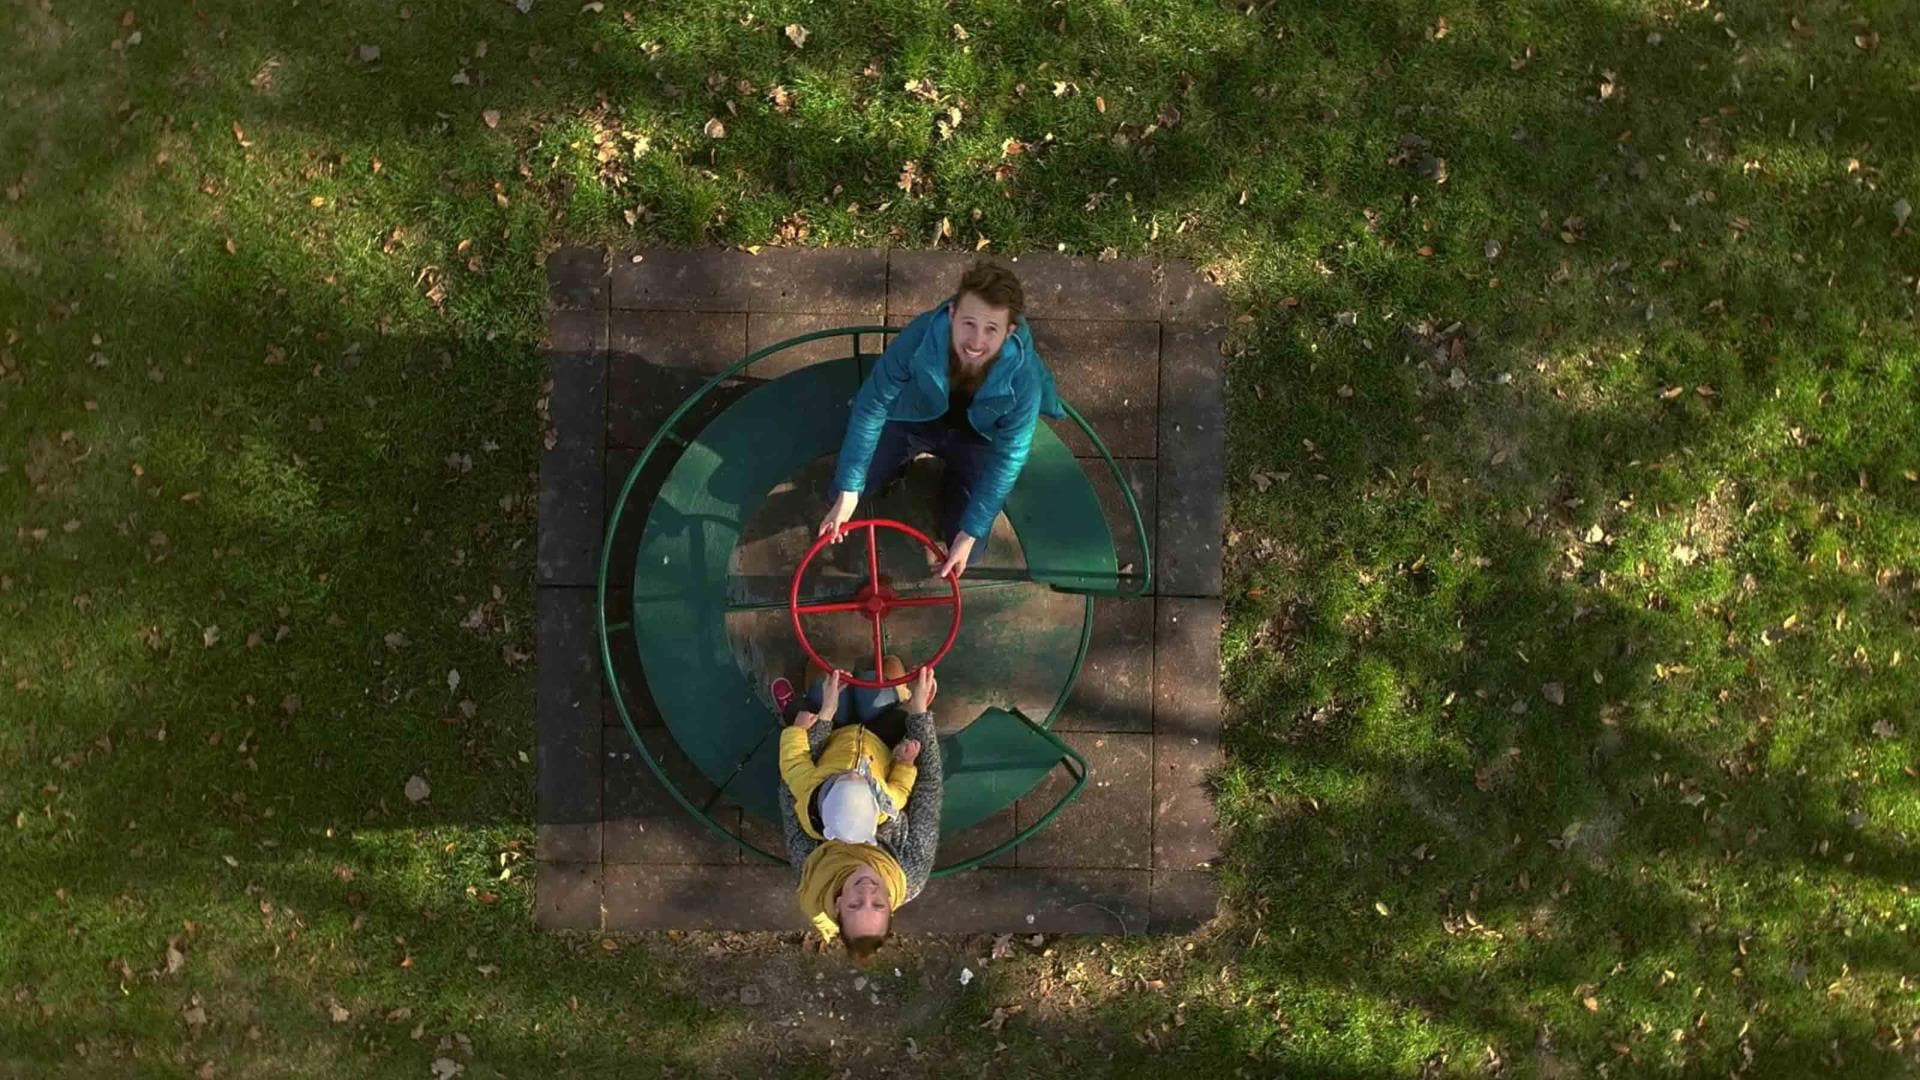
(666, 433)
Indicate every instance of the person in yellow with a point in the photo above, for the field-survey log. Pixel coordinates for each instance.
(862, 814)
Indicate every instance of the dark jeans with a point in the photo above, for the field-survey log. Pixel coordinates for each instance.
(876, 710)
(965, 454)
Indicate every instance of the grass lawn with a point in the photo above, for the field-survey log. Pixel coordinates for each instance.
(1573, 565)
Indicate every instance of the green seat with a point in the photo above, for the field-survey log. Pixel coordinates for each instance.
(991, 763)
(680, 568)
(680, 595)
(1055, 513)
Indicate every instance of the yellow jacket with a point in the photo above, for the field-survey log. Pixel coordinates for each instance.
(845, 749)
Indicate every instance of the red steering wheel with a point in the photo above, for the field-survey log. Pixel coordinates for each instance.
(874, 600)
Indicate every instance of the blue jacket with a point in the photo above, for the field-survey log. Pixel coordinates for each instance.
(909, 384)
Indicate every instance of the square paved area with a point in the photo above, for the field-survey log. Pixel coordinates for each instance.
(1135, 346)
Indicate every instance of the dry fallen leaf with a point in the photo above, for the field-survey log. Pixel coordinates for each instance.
(491, 118)
(714, 129)
(798, 35)
(417, 789)
(1554, 692)
(340, 1015)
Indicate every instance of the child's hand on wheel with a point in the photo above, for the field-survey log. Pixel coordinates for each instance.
(907, 752)
(830, 696)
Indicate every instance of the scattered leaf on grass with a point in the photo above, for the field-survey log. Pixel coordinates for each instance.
(1554, 692)
(417, 789)
(369, 54)
(1382, 908)
(210, 636)
(714, 129)
(491, 118)
(453, 678)
(339, 1014)
(445, 1068)
(397, 640)
(1902, 210)
(175, 959)
(798, 35)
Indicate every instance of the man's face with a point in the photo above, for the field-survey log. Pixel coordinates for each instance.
(864, 907)
(979, 329)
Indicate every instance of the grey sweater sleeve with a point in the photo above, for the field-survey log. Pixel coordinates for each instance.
(799, 844)
(914, 838)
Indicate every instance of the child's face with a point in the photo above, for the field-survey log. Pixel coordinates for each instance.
(979, 329)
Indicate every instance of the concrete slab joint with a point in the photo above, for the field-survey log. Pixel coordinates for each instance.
(1135, 345)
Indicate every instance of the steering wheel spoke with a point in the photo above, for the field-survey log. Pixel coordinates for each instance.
(875, 601)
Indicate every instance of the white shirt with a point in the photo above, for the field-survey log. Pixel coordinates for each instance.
(848, 811)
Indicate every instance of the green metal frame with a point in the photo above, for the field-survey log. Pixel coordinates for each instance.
(1075, 764)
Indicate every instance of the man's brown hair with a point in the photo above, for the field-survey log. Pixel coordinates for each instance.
(995, 283)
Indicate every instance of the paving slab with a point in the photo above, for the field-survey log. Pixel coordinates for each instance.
(769, 328)
(1186, 296)
(1193, 433)
(1078, 287)
(1110, 825)
(568, 543)
(1110, 373)
(1115, 691)
(577, 278)
(643, 822)
(566, 895)
(576, 333)
(836, 281)
(664, 280)
(567, 733)
(1143, 477)
(917, 280)
(1032, 900)
(576, 399)
(980, 839)
(750, 897)
(1183, 900)
(655, 359)
(1186, 732)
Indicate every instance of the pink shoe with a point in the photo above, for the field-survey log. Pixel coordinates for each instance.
(782, 690)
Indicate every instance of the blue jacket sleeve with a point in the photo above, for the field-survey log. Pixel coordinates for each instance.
(1010, 447)
(889, 376)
